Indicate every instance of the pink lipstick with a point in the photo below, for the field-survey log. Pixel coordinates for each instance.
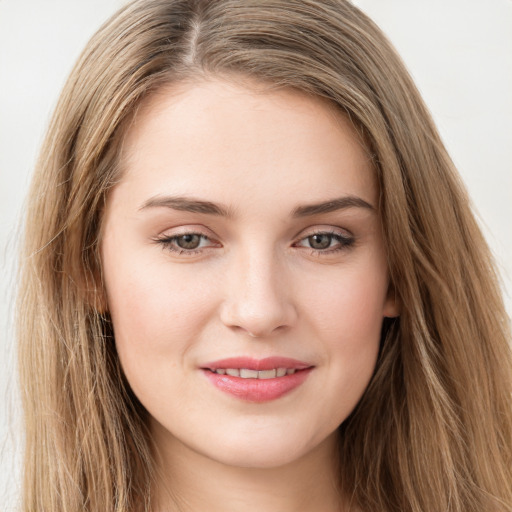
(257, 380)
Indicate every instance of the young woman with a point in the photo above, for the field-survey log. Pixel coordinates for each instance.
(252, 279)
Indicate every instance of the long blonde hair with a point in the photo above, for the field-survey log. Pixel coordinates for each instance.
(433, 431)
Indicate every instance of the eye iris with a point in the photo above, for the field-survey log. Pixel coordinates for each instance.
(188, 241)
(320, 241)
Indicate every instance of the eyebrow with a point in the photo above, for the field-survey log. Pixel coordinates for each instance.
(341, 203)
(193, 205)
(187, 205)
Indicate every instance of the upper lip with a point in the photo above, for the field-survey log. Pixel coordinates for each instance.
(250, 363)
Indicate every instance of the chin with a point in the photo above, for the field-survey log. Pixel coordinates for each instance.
(261, 459)
(264, 453)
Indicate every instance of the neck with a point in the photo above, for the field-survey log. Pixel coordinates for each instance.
(188, 481)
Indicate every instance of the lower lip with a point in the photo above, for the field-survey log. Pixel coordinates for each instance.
(258, 390)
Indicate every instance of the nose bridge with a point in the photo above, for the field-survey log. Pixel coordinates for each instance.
(256, 299)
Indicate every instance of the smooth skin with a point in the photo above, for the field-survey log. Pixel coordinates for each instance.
(245, 223)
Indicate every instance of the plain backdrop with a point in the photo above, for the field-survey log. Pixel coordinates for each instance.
(458, 51)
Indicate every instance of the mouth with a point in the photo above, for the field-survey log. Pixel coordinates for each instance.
(257, 380)
(246, 373)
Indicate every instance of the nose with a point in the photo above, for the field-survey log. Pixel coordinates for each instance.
(258, 298)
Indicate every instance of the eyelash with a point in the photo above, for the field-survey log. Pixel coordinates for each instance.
(169, 243)
(345, 242)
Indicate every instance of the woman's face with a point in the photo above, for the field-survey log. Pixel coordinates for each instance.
(245, 271)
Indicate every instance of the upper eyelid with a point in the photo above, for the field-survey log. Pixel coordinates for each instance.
(206, 232)
(326, 230)
(185, 230)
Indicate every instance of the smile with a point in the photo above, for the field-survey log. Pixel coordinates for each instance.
(245, 373)
(257, 380)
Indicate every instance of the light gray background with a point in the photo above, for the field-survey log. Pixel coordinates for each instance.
(458, 51)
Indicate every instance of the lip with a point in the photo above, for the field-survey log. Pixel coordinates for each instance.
(257, 390)
(268, 363)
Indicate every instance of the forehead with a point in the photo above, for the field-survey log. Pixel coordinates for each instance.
(237, 141)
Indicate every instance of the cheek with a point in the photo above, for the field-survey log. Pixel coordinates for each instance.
(155, 311)
(350, 304)
(158, 319)
(346, 314)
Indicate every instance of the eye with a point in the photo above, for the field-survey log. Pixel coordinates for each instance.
(326, 242)
(320, 241)
(189, 241)
(186, 243)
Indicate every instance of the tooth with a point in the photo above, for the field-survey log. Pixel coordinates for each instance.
(248, 374)
(266, 374)
(245, 373)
